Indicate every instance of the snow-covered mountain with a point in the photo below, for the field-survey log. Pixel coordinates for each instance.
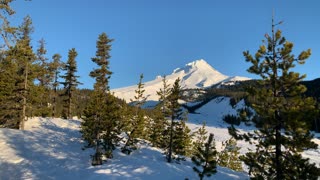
(197, 74)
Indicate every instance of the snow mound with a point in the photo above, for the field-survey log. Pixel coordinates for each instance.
(52, 149)
(196, 74)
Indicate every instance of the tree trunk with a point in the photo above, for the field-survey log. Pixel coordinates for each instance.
(278, 147)
(69, 105)
(279, 173)
(171, 138)
(55, 95)
(54, 103)
(24, 105)
(96, 159)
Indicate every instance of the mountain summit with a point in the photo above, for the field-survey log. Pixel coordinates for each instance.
(196, 74)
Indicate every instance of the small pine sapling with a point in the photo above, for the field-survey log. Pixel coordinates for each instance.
(229, 156)
(205, 157)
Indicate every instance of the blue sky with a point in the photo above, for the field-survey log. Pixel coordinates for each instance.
(154, 37)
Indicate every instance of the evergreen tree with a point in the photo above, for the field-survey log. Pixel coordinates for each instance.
(55, 68)
(159, 125)
(163, 94)
(9, 115)
(179, 139)
(70, 83)
(138, 120)
(100, 127)
(101, 124)
(282, 110)
(182, 143)
(24, 58)
(44, 77)
(7, 32)
(206, 158)
(14, 54)
(229, 156)
(201, 137)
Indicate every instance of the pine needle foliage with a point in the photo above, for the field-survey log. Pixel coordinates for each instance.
(55, 68)
(229, 156)
(205, 157)
(159, 123)
(70, 83)
(101, 123)
(138, 120)
(282, 110)
(178, 133)
(201, 137)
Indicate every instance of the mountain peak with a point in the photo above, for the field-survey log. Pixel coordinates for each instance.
(200, 62)
(197, 65)
(196, 74)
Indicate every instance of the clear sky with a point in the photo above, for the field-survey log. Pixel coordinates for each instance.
(154, 37)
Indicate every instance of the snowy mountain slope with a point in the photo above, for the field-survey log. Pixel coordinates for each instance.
(51, 149)
(197, 74)
(212, 114)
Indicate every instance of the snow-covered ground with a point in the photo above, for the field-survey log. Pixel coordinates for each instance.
(52, 149)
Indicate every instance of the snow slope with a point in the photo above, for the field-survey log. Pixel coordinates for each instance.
(212, 114)
(197, 74)
(51, 149)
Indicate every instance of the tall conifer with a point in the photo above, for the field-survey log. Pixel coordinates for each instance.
(179, 139)
(281, 108)
(159, 125)
(44, 77)
(25, 58)
(138, 121)
(101, 123)
(55, 68)
(70, 83)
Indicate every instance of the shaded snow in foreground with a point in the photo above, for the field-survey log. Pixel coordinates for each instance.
(51, 149)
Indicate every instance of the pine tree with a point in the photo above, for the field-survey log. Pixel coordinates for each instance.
(179, 139)
(182, 143)
(229, 156)
(206, 158)
(283, 112)
(55, 68)
(138, 120)
(201, 137)
(44, 76)
(9, 115)
(163, 94)
(159, 124)
(100, 127)
(101, 124)
(70, 83)
(15, 52)
(23, 54)
(7, 32)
